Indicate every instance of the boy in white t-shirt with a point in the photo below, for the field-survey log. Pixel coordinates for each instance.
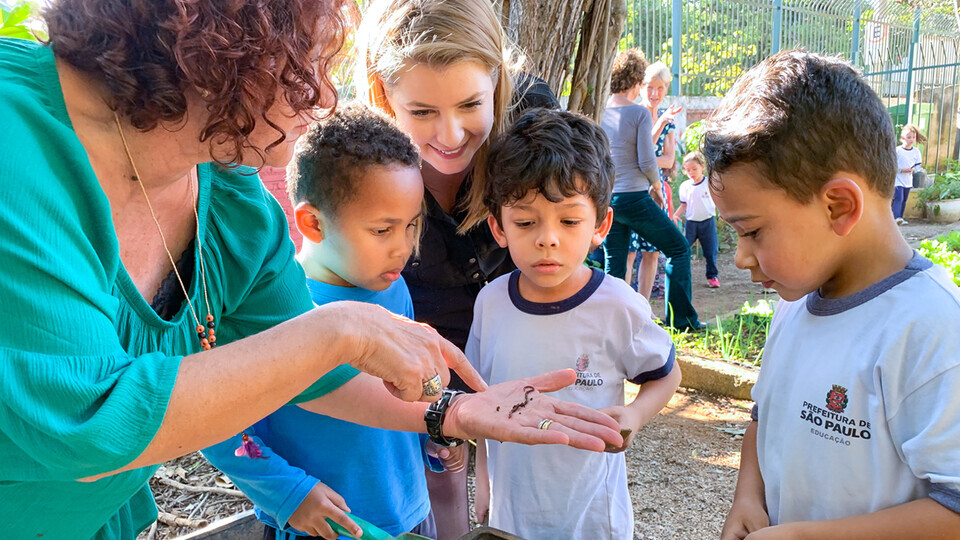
(698, 208)
(550, 183)
(857, 427)
(908, 160)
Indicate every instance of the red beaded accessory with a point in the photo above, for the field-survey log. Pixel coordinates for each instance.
(206, 334)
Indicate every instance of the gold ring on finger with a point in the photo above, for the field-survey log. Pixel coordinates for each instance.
(433, 387)
(545, 424)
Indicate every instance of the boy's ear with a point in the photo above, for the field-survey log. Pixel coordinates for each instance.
(843, 199)
(497, 231)
(305, 216)
(601, 233)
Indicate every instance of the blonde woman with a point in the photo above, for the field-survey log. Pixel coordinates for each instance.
(446, 72)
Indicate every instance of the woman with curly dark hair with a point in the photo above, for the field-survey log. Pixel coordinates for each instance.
(151, 303)
(637, 197)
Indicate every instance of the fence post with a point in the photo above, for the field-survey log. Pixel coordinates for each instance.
(855, 48)
(777, 21)
(675, 34)
(913, 43)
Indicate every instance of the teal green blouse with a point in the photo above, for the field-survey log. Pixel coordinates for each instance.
(86, 366)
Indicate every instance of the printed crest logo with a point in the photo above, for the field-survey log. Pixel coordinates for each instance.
(837, 399)
(583, 362)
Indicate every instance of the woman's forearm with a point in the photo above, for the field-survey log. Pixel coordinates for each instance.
(669, 156)
(665, 161)
(484, 414)
(222, 391)
(364, 400)
(646, 158)
(658, 128)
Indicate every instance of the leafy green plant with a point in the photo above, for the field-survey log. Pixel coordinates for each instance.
(945, 186)
(945, 251)
(737, 338)
(693, 136)
(15, 21)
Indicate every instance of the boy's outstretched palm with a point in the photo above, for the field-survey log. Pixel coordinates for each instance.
(744, 519)
(489, 413)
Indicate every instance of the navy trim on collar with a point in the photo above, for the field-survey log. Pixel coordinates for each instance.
(817, 305)
(552, 308)
(946, 496)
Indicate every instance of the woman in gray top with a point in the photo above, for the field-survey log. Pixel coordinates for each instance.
(636, 206)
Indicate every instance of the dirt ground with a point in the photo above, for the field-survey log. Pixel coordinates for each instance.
(682, 467)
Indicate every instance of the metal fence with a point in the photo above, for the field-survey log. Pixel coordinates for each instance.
(909, 57)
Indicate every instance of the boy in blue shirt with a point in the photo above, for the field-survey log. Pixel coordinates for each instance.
(356, 187)
(856, 431)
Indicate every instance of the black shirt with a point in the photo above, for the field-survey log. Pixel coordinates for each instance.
(446, 277)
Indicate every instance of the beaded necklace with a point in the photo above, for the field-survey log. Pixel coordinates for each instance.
(206, 334)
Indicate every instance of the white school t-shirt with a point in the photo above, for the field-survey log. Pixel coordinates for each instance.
(858, 399)
(605, 332)
(907, 158)
(699, 203)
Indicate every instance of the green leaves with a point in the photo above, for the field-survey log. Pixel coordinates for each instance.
(945, 251)
(740, 337)
(945, 186)
(15, 21)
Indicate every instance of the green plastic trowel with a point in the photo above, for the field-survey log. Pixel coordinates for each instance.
(371, 531)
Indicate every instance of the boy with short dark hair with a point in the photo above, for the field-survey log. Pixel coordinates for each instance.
(550, 183)
(357, 193)
(856, 431)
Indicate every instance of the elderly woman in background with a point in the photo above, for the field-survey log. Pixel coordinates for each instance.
(637, 193)
(152, 305)
(656, 80)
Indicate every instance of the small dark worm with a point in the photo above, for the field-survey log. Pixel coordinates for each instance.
(527, 390)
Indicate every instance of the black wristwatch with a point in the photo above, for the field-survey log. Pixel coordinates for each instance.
(434, 419)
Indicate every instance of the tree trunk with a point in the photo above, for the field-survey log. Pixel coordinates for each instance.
(546, 31)
(599, 37)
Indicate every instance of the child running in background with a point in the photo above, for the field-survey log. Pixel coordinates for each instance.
(908, 160)
(357, 194)
(549, 189)
(856, 431)
(698, 208)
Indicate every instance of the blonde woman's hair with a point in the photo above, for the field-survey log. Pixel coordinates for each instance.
(916, 131)
(438, 34)
(657, 70)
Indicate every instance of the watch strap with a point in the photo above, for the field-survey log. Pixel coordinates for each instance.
(435, 415)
